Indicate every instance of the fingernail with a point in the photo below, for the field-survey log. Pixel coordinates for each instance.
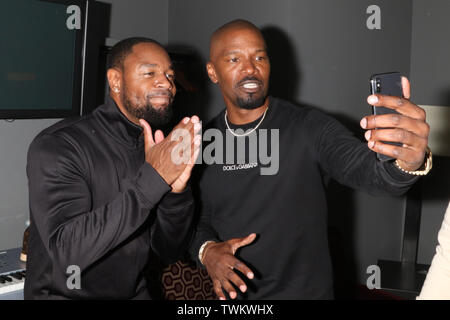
(222, 298)
(197, 126)
(371, 144)
(363, 123)
(232, 294)
(243, 288)
(372, 99)
(194, 119)
(250, 275)
(186, 120)
(367, 135)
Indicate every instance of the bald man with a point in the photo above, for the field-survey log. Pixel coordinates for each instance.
(263, 226)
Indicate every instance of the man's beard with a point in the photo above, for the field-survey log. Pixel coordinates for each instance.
(251, 100)
(156, 117)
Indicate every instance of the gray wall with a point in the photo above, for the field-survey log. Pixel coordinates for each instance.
(128, 18)
(329, 40)
(328, 52)
(430, 79)
(430, 67)
(145, 18)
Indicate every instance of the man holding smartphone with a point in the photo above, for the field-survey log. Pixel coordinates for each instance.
(279, 221)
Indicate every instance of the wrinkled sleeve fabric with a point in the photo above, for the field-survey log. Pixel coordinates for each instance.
(350, 162)
(173, 228)
(60, 200)
(437, 282)
(204, 230)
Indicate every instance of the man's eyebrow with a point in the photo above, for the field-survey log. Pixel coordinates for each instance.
(231, 52)
(148, 65)
(152, 65)
(237, 51)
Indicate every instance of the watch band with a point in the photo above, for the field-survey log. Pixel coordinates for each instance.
(202, 249)
(428, 165)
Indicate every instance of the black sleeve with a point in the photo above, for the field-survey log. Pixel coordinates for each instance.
(60, 202)
(172, 229)
(203, 230)
(349, 160)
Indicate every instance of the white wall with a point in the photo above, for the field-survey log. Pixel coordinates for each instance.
(15, 137)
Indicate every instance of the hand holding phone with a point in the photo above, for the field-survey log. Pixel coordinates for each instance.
(400, 133)
(389, 84)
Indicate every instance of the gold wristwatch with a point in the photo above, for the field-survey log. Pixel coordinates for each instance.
(426, 167)
(202, 249)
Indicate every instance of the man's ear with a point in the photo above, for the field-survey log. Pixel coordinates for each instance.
(211, 72)
(114, 80)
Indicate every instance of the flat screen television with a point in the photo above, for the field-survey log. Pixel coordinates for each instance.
(42, 58)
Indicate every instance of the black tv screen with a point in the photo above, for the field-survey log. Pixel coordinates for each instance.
(40, 59)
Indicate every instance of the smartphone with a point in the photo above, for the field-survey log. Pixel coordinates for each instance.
(389, 84)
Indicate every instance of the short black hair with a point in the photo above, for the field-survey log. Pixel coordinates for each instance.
(123, 48)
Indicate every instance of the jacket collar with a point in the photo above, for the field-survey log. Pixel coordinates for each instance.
(117, 125)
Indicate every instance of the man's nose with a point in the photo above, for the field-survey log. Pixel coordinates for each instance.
(248, 66)
(163, 82)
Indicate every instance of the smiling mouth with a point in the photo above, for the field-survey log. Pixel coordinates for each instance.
(162, 98)
(250, 86)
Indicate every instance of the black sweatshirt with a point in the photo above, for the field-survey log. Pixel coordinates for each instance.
(97, 205)
(288, 210)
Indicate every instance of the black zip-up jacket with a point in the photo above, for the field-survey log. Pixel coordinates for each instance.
(97, 205)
